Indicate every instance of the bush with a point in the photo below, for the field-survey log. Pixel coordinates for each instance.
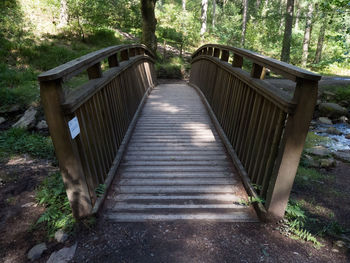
(19, 141)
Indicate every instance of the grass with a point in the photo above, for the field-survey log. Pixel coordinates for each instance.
(312, 139)
(19, 141)
(58, 214)
(342, 93)
(173, 68)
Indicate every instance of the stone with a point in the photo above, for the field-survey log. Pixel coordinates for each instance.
(27, 120)
(61, 236)
(11, 109)
(311, 162)
(2, 119)
(63, 255)
(325, 120)
(36, 251)
(333, 131)
(327, 163)
(319, 151)
(347, 136)
(332, 110)
(42, 125)
(343, 119)
(328, 95)
(342, 156)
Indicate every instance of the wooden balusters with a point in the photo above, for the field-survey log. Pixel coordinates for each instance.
(258, 71)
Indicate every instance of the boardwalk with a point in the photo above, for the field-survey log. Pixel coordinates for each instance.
(175, 166)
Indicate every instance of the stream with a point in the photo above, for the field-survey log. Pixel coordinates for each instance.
(335, 142)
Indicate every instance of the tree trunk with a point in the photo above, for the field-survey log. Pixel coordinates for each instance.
(184, 5)
(63, 13)
(320, 41)
(204, 17)
(282, 3)
(244, 21)
(297, 15)
(214, 11)
(285, 54)
(149, 24)
(307, 36)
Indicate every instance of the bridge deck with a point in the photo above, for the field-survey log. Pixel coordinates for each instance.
(175, 166)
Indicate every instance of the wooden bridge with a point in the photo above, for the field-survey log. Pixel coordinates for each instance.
(211, 149)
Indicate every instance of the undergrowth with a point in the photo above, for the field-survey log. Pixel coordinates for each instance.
(58, 214)
(20, 141)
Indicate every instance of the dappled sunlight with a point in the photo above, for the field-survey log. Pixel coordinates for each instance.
(164, 107)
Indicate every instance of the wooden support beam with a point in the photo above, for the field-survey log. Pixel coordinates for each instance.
(291, 147)
(95, 71)
(210, 51)
(237, 61)
(216, 52)
(258, 71)
(225, 55)
(113, 61)
(124, 55)
(65, 148)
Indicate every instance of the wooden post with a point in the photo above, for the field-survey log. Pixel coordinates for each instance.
(210, 51)
(291, 147)
(225, 55)
(70, 165)
(113, 61)
(132, 52)
(237, 61)
(95, 71)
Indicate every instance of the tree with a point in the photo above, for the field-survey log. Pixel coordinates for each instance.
(63, 13)
(149, 24)
(285, 54)
(184, 5)
(204, 17)
(214, 10)
(307, 35)
(244, 21)
(320, 40)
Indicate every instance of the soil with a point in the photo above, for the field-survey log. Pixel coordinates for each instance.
(19, 177)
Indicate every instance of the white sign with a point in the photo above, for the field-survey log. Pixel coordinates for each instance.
(74, 127)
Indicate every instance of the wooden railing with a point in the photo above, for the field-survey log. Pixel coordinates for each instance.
(103, 109)
(264, 129)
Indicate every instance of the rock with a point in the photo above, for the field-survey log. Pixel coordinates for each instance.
(36, 251)
(325, 120)
(2, 119)
(63, 255)
(327, 163)
(42, 125)
(328, 95)
(319, 151)
(311, 162)
(343, 119)
(334, 131)
(11, 109)
(61, 236)
(347, 136)
(332, 110)
(27, 120)
(342, 156)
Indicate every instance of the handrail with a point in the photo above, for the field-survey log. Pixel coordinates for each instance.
(287, 70)
(76, 66)
(263, 128)
(91, 125)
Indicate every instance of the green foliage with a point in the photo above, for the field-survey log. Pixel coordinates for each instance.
(19, 141)
(174, 68)
(342, 93)
(308, 176)
(58, 214)
(251, 200)
(100, 190)
(295, 221)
